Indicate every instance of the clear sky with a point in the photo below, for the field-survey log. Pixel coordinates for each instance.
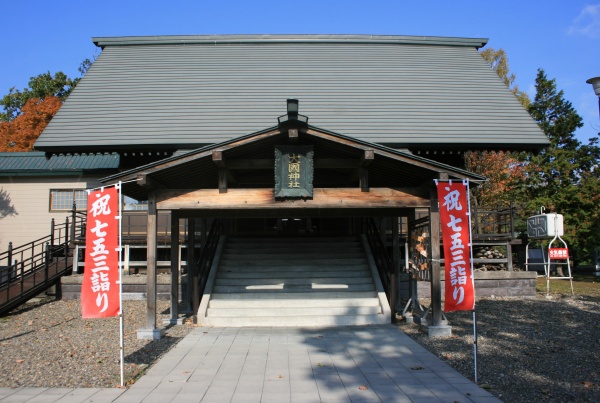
(560, 36)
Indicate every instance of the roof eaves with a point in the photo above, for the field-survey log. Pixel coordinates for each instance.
(404, 154)
(178, 156)
(230, 39)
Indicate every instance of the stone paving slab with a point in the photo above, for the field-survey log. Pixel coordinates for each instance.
(377, 363)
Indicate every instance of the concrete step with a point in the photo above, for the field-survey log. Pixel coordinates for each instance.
(237, 250)
(260, 255)
(317, 273)
(293, 282)
(320, 294)
(307, 320)
(239, 268)
(308, 281)
(291, 288)
(296, 311)
(226, 260)
(283, 240)
(294, 303)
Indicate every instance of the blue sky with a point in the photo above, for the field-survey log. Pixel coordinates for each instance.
(562, 37)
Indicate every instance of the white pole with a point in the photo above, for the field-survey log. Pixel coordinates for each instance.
(475, 343)
(121, 327)
(466, 182)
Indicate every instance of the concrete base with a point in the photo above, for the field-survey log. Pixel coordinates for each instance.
(150, 334)
(172, 321)
(439, 331)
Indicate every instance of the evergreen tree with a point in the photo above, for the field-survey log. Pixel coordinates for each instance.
(564, 177)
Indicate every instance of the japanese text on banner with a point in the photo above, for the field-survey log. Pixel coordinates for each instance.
(100, 287)
(455, 221)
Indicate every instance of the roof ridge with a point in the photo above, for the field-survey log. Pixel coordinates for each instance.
(288, 38)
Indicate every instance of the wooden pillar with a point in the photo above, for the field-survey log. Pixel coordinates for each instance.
(151, 331)
(191, 258)
(434, 228)
(395, 268)
(412, 284)
(174, 267)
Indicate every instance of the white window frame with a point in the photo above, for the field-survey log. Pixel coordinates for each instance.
(67, 196)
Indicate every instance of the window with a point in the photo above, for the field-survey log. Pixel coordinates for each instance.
(134, 205)
(63, 199)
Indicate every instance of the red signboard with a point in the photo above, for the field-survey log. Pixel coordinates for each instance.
(100, 287)
(558, 253)
(454, 218)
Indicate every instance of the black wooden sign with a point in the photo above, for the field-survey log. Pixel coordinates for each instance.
(294, 172)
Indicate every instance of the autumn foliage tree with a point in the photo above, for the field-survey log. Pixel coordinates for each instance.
(505, 175)
(20, 133)
(27, 112)
(498, 61)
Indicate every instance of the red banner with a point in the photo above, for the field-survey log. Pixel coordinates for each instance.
(100, 287)
(454, 218)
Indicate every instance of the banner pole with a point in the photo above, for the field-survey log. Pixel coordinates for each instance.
(121, 325)
(475, 344)
(466, 182)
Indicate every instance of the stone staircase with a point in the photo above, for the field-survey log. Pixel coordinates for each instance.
(293, 282)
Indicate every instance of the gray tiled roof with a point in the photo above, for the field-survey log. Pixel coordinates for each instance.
(188, 91)
(36, 163)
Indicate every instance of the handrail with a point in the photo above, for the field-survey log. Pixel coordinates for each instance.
(380, 255)
(202, 269)
(492, 222)
(28, 269)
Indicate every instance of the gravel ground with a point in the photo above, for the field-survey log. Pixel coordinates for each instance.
(531, 350)
(48, 344)
(528, 350)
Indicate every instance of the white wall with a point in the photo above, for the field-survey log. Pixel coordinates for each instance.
(30, 197)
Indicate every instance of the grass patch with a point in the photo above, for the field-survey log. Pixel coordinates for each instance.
(583, 285)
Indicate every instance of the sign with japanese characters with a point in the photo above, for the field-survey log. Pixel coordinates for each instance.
(558, 253)
(100, 287)
(455, 221)
(294, 172)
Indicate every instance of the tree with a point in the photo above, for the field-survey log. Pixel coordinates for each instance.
(498, 61)
(504, 173)
(564, 177)
(20, 133)
(27, 112)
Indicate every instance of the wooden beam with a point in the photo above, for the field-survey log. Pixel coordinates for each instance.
(218, 158)
(436, 284)
(191, 268)
(330, 198)
(175, 266)
(363, 179)
(293, 135)
(363, 170)
(395, 267)
(321, 163)
(151, 264)
(144, 180)
(367, 157)
(222, 180)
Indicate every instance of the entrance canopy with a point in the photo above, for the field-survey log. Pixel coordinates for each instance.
(239, 174)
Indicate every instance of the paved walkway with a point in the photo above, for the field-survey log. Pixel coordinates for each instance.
(343, 364)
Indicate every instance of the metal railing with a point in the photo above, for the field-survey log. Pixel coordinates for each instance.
(380, 255)
(492, 223)
(201, 271)
(29, 269)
